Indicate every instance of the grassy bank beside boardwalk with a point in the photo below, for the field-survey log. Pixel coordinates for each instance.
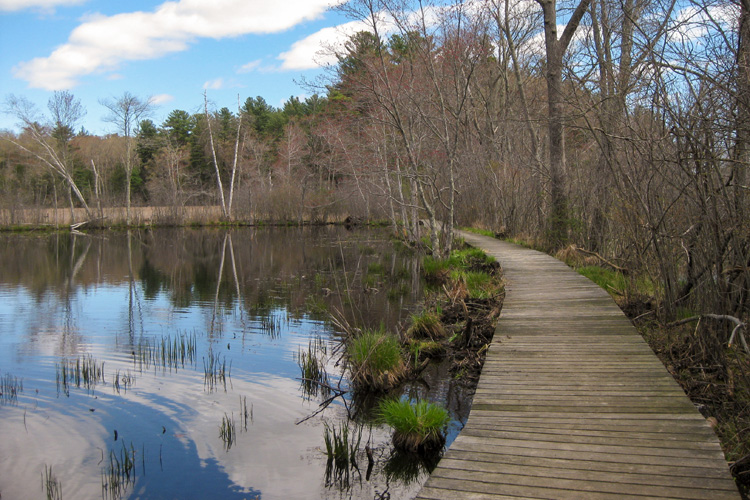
(50, 218)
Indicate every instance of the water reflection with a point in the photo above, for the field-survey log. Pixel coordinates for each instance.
(161, 340)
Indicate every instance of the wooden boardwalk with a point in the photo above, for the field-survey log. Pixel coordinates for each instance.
(573, 404)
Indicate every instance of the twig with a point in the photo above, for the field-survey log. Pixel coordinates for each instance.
(322, 407)
(323, 384)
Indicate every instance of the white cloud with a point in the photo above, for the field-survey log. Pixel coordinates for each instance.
(103, 43)
(161, 99)
(249, 67)
(319, 49)
(15, 5)
(215, 84)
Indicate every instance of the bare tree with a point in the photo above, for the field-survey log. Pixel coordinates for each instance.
(52, 136)
(126, 112)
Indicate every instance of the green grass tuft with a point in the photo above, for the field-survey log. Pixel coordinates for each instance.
(418, 427)
(375, 361)
(606, 278)
(426, 325)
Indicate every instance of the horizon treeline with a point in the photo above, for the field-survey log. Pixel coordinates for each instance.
(617, 126)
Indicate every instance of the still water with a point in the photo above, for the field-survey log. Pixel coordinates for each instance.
(165, 363)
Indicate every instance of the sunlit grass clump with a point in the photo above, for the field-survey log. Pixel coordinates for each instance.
(479, 284)
(426, 325)
(605, 278)
(418, 427)
(375, 361)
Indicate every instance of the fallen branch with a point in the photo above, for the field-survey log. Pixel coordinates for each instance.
(739, 325)
(75, 226)
(598, 256)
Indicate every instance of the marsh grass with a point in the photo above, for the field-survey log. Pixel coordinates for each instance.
(228, 431)
(167, 352)
(420, 349)
(610, 280)
(119, 473)
(10, 387)
(215, 371)
(426, 325)
(375, 361)
(271, 325)
(51, 485)
(84, 371)
(342, 445)
(476, 230)
(478, 284)
(435, 271)
(122, 381)
(312, 363)
(245, 414)
(466, 267)
(418, 427)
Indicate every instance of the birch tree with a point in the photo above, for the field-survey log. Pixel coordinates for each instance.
(126, 112)
(51, 136)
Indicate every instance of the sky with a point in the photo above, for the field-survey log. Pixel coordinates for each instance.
(167, 51)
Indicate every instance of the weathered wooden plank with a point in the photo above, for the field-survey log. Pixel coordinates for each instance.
(635, 433)
(625, 478)
(583, 486)
(460, 486)
(625, 439)
(660, 473)
(572, 403)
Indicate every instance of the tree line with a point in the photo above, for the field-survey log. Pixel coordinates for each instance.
(618, 126)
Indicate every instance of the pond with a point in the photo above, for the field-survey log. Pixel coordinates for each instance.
(166, 363)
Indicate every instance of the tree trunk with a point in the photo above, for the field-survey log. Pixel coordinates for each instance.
(558, 219)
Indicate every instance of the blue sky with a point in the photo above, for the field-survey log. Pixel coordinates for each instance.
(169, 51)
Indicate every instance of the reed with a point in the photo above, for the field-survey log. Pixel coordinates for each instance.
(84, 371)
(166, 352)
(342, 445)
(215, 371)
(119, 473)
(244, 413)
(312, 364)
(51, 485)
(228, 431)
(10, 387)
(271, 325)
(122, 381)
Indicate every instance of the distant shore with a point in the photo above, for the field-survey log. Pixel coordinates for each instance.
(62, 218)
